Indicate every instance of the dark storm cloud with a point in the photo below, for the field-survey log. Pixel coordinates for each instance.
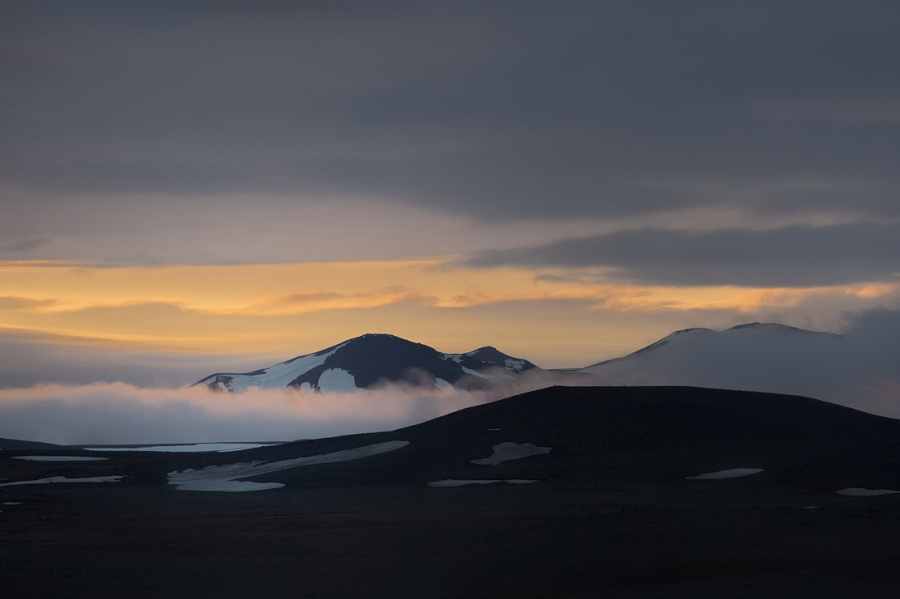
(797, 256)
(499, 110)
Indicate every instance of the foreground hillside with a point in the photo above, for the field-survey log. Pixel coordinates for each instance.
(609, 500)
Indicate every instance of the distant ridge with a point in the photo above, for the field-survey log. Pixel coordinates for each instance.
(20, 445)
(763, 357)
(372, 359)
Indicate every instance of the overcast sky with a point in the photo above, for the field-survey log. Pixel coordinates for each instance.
(565, 180)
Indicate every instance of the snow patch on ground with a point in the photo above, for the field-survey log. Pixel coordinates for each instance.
(860, 492)
(63, 479)
(58, 458)
(193, 448)
(452, 482)
(12, 503)
(731, 473)
(337, 380)
(225, 477)
(514, 364)
(511, 451)
(441, 383)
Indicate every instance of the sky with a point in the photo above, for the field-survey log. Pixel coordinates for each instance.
(199, 186)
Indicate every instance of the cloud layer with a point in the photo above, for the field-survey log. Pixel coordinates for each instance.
(118, 413)
(796, 256)
(859, 370)
(496, 112)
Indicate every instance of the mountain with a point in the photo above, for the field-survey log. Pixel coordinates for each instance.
(770, 358)
(369, 360)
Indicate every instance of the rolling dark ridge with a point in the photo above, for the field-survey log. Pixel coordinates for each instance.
(659, 417)
(18, 444)
(652, 435)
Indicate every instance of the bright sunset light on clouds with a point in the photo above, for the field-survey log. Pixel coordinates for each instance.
(279, 310)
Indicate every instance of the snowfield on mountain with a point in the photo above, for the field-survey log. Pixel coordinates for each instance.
(375, 359)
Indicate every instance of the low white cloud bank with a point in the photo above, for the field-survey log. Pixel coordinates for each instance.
(122, 414)
(117, 413)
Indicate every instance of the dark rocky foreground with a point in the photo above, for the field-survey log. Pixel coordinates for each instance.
(612, 515)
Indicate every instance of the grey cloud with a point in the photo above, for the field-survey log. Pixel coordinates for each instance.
(24, 246)
(868, 110)
(789, 256)
(32, 359)
(502, 110)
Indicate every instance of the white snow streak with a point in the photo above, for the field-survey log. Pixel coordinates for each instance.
(475, 373)
(731, 473)
(192, 448)
(63, 479)
(58, 458)
(511, 451)
(452, 482)
(224, 478)
(278, 376)
(860, 492)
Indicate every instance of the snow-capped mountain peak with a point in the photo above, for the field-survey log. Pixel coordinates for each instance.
(765, 357)
(370, 360)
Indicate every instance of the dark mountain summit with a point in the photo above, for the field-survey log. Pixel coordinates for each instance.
(369, 360)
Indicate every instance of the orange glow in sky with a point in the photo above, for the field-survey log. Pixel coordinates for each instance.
(289, 309)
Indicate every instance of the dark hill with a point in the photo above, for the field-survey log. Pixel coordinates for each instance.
(612, 514)
(654, 435)
(18, 444)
